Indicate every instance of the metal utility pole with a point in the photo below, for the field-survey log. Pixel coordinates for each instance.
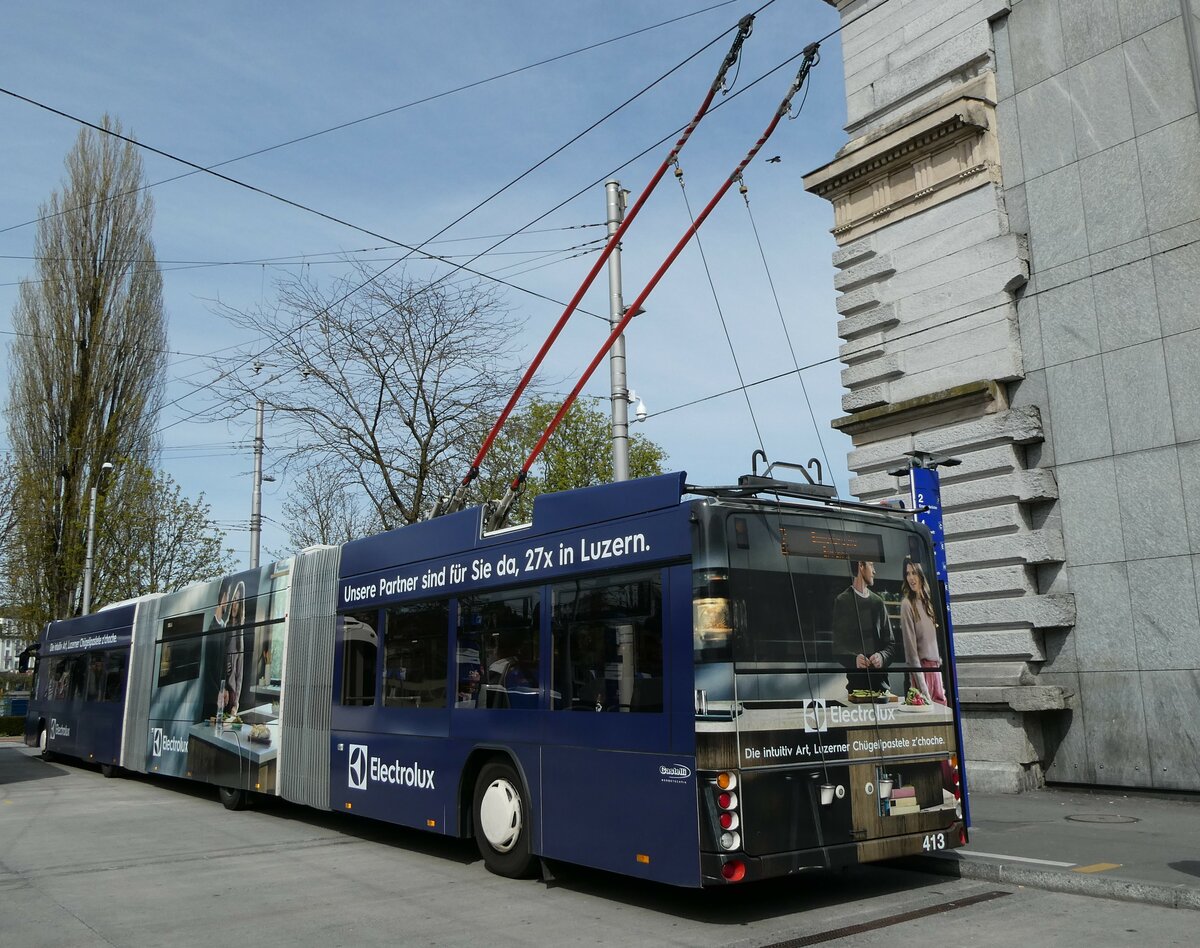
(615, 200)
(91, 539)
(256, 498)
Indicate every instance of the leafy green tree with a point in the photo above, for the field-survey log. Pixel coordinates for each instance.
(87, 366)
(157, 541)
(579, 454)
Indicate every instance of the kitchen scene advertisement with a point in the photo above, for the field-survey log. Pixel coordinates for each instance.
(218, 680)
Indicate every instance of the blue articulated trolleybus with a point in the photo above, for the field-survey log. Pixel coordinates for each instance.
(697, 686)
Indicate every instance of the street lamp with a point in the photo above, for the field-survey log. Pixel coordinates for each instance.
(91, 537)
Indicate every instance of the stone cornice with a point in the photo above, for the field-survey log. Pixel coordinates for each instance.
(929, 160)
(982, 393)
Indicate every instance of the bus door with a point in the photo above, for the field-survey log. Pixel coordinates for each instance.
(609, 727)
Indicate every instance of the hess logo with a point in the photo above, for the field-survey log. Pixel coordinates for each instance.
(357, 767)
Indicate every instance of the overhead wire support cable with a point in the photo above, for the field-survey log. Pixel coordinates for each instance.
(500, 513)
(745, 27)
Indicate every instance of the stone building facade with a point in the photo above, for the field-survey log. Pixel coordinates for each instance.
(1017, 213)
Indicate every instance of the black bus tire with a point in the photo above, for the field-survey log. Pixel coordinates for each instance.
(502, 821)
(232, 798)
(108, 770)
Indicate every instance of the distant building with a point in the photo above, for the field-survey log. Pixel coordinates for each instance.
(12, 643)
(1018, 220)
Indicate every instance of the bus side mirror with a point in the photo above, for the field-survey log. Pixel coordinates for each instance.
(23, 663)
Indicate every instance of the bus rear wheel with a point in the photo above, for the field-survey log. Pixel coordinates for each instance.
(44, 744)
(108, 770)
(502, 821)
(232, 798)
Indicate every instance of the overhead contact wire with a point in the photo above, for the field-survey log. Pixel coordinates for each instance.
(810, 58)
(745, 27)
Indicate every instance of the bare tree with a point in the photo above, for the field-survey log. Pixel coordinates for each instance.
(322, 509)
(87, 363)
(387, 387)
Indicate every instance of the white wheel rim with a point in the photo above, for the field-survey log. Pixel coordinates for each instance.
(500, 815)
(42, 738)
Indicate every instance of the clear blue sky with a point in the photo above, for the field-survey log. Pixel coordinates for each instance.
(210, 82)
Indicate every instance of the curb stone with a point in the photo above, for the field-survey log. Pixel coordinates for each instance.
(1124, 890)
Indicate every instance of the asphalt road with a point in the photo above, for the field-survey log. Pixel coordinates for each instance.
(138, 861)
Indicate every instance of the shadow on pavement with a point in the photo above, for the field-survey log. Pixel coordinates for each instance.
(1190, 866)
(18, 767)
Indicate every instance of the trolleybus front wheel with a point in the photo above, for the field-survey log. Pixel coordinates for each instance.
(108, 770)
(232, 798)
(502, 821)
(44, 744)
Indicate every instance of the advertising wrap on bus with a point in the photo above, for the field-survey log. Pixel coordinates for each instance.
(217, 680)
(535, 559)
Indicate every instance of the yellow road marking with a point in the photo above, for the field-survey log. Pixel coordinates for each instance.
(1098, 867)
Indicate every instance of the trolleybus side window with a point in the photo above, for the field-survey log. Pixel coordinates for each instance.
(360, 646)
(608, 643)
(415, 655)
(498, 650)
(95, 675)
(179, 658)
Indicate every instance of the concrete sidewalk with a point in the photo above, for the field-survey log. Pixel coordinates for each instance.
(1118, 844)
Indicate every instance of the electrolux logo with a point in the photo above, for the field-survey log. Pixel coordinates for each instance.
(816, 716)
(159, 742)
(58, 730)
(357, 768)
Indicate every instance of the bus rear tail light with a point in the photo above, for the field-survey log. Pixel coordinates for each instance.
(727, 800)
(731, 840)
(733, 871)
(727, 780)
(728, 820)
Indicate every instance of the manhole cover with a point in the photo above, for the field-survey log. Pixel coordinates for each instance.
(1102, 818)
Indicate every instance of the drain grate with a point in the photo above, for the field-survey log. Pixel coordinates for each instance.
(1102, 818)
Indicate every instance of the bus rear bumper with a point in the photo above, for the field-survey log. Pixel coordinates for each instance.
(713, 865)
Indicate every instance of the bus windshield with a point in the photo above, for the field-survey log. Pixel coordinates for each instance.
(795, 591)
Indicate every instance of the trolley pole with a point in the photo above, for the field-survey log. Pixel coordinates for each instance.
(256, 496)
(615, 201)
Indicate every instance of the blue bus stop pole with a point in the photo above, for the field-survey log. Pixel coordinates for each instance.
(926, 494)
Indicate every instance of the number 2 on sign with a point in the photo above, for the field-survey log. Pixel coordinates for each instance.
(934, 842)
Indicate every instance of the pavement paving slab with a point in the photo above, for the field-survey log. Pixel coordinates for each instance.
(1119, 844)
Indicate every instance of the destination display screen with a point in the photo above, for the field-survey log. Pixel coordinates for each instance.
(824, 544)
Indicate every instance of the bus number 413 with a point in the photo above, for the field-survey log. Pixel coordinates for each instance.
(934, 842)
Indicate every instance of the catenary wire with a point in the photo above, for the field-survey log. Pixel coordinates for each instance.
(456, 268)
(375, 115)
(720, 312)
